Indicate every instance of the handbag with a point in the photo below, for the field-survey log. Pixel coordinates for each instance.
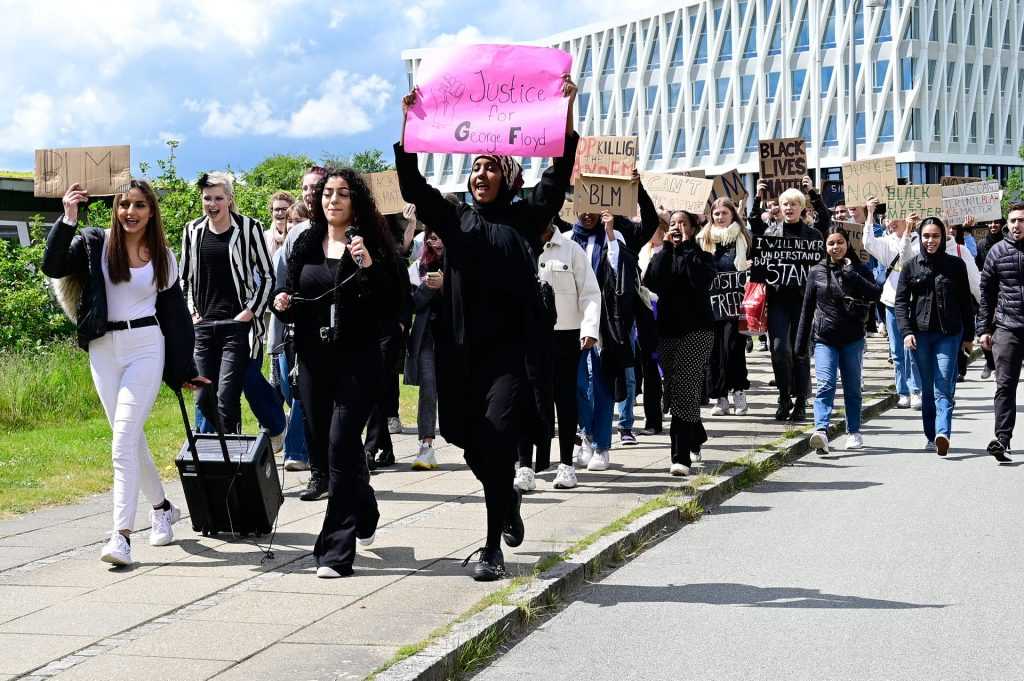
(753, 319)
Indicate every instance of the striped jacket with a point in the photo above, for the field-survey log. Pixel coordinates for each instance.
(251, 269)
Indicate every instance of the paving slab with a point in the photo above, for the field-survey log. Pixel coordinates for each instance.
(371, 624)
(207, 640)
(299, 661)
(158, 589)
(136, 668)
(78, 616)
(272, 607)
(20, 654)
(16, 601)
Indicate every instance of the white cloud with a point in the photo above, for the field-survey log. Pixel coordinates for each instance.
(164, 136)
(337, 17)
(39, 120)
(346, 106)
(467, 35)
(30, 123)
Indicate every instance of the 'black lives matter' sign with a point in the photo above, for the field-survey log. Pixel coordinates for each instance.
(783, 261)
(726, 295)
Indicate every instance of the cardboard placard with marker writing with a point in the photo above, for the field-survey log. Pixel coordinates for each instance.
(783, 163)
(983, 200)
(923, 199)
(730, 185)
(605, 157)
(386, 192)
(856, 232)
(102, 171)
(594, 195)
(783, 262)
(864, 179)
(678, 192)
(726, 295)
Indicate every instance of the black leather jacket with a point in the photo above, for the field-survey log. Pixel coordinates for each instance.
(69, 254)
(836, 302)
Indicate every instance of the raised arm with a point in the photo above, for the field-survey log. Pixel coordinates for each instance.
(64, 254)
(757, 224)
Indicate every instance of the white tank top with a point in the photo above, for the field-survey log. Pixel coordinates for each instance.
(136, 297)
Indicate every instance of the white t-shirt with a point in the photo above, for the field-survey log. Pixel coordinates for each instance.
(136, 297)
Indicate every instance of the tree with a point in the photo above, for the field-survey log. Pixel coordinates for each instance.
(369, 161)
(1014, 185)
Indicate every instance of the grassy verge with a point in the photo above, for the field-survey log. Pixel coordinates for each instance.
(54, 437)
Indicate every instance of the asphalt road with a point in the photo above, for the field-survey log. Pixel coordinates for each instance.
(888, 563)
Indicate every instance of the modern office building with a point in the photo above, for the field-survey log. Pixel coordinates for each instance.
(939, 84)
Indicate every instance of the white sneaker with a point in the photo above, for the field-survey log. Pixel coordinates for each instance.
(915, 402)
(903, 402)
(525, 479)
(366, 541)
(160, 532)
(739, 400)
(854, 441)
(565, 478)
(985, 372)
(394, 425)
(600, 460)
(295, 465)
(583, 452)
(324, 572)
(117, 551)
(426, 460)
(722, 408)
(678, 470)
(819, 441)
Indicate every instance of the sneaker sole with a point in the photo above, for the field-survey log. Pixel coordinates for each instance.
(818, 442)
(941, 446)
(295, 466)
(560, 485)
(423, 467)
(115, 560)
(368, 541)
(629, 443)
(998, 452)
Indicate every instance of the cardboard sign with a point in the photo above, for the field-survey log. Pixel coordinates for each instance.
(386, 193)
(864, 179)
(980, 233)
(983, 200)
(783, 262)
(568, 211)
(726, 295)
(951, 180)
(613, 157)
(783, 163)
(678, 192)
(923, 199)
(594, 195)
(730, 185)
(856, 232)
(102, 171)
(492, 99)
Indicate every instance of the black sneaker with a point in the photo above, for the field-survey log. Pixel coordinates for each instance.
(385, 459)
(515, 530)
(316, 489)
(490, 567)
(1000, 451)
(799, 412)
(371, 461)
(785, 405)
(626, 437)
(651, 430)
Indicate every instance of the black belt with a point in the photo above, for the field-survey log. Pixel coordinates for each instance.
(139, 323)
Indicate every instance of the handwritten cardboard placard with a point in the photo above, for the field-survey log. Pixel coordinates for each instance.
(730, 185)
(492, 99)
(613, 157)
(983, 200)
(980, 233)
(386, 193)
(950, 180)
(568, 211)
(783, 262)
(726, 295)
(923, 199)
(864, 179)
(783, 163)
(856, 232)
(102, 171)
(598, 194)
(678, 192)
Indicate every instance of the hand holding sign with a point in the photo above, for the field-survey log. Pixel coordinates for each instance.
(74, 197)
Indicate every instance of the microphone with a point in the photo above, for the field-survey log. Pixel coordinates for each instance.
(350, 233)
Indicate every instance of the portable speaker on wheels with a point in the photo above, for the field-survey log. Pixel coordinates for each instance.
(230, 481)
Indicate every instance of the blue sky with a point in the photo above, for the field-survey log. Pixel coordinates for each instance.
(236, 81)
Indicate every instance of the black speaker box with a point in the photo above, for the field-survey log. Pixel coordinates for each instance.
(230, 481)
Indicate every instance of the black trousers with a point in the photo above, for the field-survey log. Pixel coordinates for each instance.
(222, 355)
(378, 437)
(728, 363)
(1008, 351)
(565, 356)
(791, 367)
(339, 388)
(649, 381)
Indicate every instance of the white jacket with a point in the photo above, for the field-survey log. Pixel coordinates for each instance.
(564, 265)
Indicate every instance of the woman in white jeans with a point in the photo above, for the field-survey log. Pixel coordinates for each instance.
(121, 288)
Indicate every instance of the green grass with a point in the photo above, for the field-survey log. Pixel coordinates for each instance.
(54, 437)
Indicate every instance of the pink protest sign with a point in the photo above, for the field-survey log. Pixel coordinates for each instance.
(498, 99)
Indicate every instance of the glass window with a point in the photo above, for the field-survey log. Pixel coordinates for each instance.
(584, 100)
(1003, 77)
(526, 162)
(673, 95)
(655, 154)
(446, 169)
(680, 147)
(606, 104)
(750, 48)
(728, 141)
(697, 92)
(859, 131)
(885, 25)
(907, 73)
(799, 76)
(803, 33)
(677, 49)
(936, 127)
(609, 61)
(429, 170)
(914, 25)
(702, 45)
(988, 32)
(972, 137)
(858, 25)
(726, 51)
(588, 66)
(1006, 36)
(828, 37)
(915, 134)
(986, 76)
(627, 99)
(655, 59)
(970, 25)
(775, 46)
(933, 34)
(631, 56)
(830, 138)
(991, 129)
(721, 90)
(968, 76)
(881, 68)
(702, 144)
(950, 75)
(956, 128)
(772, 85)
(652, 95)
(752, 138)
(1009, 130)
(805, 132)
(885, 132)
(954, 35)
(746, 89)
(931, 73)
(826, 79)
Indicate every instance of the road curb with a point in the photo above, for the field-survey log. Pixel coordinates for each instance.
(442, 659)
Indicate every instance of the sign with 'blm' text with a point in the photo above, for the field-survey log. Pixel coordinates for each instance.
(726, 295)
(386, 192)
(102, 171)
(491, 99)
(923, 199)
(613, 157)
(595, 195)
(783, 262)
(783, 163)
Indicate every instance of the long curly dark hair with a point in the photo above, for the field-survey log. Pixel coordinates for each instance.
(366, 218)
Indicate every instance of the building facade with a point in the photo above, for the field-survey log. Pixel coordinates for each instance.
(939, 84)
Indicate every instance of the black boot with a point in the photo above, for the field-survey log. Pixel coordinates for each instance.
(490, 567)
(799, 413)
(515, 530)
(385, 458)
(316, 488)
(785, 405)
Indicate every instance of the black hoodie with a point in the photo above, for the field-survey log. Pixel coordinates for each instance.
(934, 293)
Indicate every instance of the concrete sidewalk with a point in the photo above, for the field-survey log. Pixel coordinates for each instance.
(208, 608)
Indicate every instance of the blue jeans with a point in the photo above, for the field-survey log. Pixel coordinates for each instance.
(295, 438)
(264, 401)
(595, 400)
(625, 407)
(907, 379)
(936, 357)
(830, 362)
